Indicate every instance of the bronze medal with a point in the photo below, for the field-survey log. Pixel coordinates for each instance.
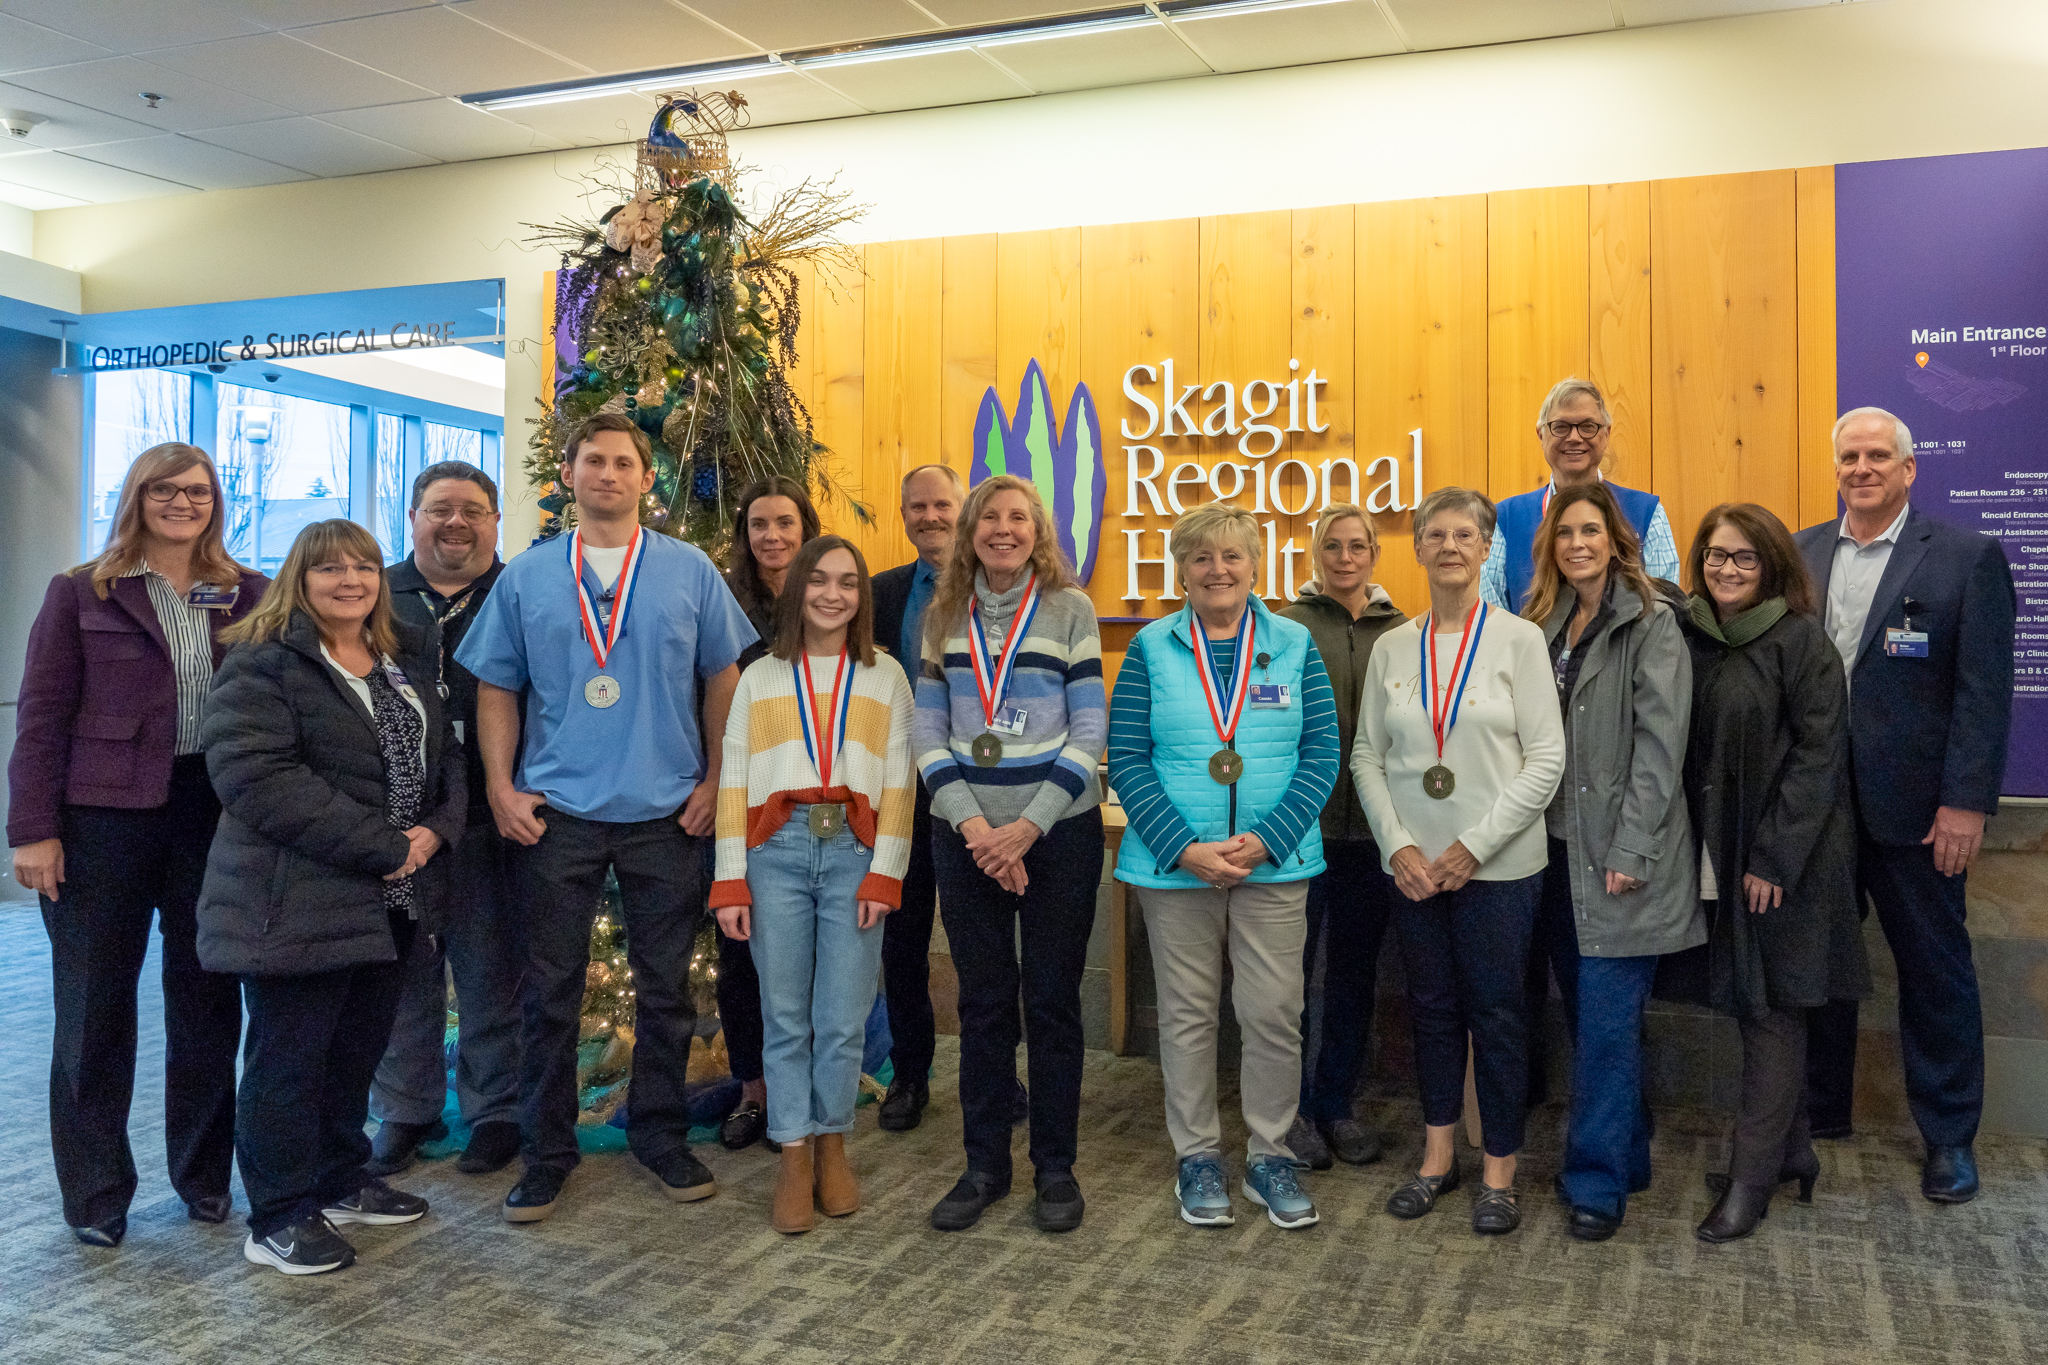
(827, 820)
(987, 750)
(1226, 766)
(1439, 782)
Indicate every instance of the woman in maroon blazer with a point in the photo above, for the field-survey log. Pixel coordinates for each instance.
(110, 816)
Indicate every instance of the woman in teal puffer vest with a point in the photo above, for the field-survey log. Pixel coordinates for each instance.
(1223, 760)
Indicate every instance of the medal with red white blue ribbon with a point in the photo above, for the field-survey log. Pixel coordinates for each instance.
(1225, 697)
(824, 734)
(992, 672)
(1440, 781)
(603, 636)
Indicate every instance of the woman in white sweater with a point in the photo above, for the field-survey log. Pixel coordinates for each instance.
(814, 810)
(1459, 751)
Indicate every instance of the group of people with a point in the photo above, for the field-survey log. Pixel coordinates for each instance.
(340, 787)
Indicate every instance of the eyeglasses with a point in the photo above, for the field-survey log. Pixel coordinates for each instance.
(1744, 559)
(1465, 537)
(198, 494)
(1588, 428)
(468, 516)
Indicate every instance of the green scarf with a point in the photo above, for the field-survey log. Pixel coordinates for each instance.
(1744, 628)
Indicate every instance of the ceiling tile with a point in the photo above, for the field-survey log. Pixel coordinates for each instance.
(790, 98)
(970, 13)
(440, 50)
(63, 173)
(787, 25)
(307, 144)
(445, 129)
(23, 197)
(288, 73)
(70, 125)
(611, 35)
(1292, 37)
(1088, 60)
(112, 85)
(191, 162)
(280, 14)
(920, 82)
(1432, 24)
(25, 46)
(126, 26)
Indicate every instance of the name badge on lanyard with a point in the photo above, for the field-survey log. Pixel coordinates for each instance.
(1272, 697)
(213, 597)
(1905, 644)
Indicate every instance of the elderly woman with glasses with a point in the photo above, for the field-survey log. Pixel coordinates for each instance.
(1459, 751)
(1223, 749)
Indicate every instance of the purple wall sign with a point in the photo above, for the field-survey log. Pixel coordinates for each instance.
(1941, 268)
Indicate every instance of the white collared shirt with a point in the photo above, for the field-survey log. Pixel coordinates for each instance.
(1852, 583)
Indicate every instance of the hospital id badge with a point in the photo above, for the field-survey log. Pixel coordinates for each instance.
(1009, 721)
(1905, 644)
(214, 597)
(1271, 697)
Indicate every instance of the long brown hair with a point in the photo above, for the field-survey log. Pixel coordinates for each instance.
(955, 590)
(1784, 572)
(789, 604)
(1625, 564)
(746, 571)
(211, 562)
(324, 542)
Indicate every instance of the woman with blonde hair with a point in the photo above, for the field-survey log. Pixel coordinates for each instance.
(339, 780)
(110, 817)
(1009, 727)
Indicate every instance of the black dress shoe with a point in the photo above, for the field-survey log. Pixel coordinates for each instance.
(744, 1126)
(1950, 1175)
(903, 1109)
(1351, 1142)
(962, 1206)
(1591, 1225)
(1736, 1213)
(210, 1208)
(491, 1148)
(107, 1234)
(396, 1144)
(1059, 1205)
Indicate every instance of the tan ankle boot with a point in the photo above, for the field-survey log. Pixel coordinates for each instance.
(838, 1192)
(793, 1212)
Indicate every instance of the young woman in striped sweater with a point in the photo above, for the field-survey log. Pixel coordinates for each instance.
(814, 809)
(1011, 723)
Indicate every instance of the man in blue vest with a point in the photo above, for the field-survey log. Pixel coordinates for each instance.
(1573, 426)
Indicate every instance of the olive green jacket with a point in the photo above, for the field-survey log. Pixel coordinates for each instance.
(1345, 645)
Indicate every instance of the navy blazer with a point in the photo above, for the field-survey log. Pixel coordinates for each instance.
(1929, 732)
(98, 717)
(891, 589)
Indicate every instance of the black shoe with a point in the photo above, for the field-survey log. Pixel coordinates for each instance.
(1020, 1112)
(310, 1246)
(533, 1198)
(1736, 1213)
(1308, 1146)
(1351, 1142)
(743, 1127)
(210, 1208)
(962, 1206)
(491, 1148)
(376, 1204)
(1495, 1211)
(396, 1144)
(686, 1179)
(1833, 1132)
(1805, 1170)
(1059, 1205)
(903, 1110)
(1950, 1175)
(1419, 1195)
(107, 1234)
(1591, 1225)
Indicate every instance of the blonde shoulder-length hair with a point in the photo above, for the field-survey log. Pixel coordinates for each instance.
(324, 542)
(947, 615)
(211, 562)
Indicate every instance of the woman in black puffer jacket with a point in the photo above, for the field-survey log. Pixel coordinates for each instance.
(339, 781)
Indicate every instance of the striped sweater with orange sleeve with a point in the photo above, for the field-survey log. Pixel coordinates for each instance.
(767, 770)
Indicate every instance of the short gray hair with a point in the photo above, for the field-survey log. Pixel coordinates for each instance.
(1567, 389)
(1212, 524)
(1902, 437)
(952, 475)
(1470, 501)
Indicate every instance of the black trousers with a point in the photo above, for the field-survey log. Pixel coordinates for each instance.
(661, 884)
(1770, 1118)
(739, 1007)
(907, 956)
(983, 921)
(314, 1044)
(122, 869)
(1831, 1064)
(1348, 909)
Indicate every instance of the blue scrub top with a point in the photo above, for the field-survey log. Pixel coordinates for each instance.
(641, 758)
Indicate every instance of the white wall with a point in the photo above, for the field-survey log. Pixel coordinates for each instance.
(1884, 78)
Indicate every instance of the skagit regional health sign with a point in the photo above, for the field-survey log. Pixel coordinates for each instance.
(1183, 444)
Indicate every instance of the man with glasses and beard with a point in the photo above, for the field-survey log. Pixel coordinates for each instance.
(454, 562)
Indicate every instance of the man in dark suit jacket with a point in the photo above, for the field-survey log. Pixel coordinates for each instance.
(932, 495)
(1923, 615)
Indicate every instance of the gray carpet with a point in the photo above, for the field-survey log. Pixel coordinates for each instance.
(1870, 1273)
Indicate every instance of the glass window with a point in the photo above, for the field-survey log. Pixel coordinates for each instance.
(284, 462)
(394, 487)
(132, 411)
(454, 443)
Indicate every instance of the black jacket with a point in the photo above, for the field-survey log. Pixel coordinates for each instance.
(414, 601)
(294, 881)
(891, 588)
(1345, 645)
(1766, 781)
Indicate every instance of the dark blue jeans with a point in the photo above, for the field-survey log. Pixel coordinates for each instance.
(1607, 1153)
(1348, 907)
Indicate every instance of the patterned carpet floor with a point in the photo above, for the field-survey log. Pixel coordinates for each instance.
(1870, 1274)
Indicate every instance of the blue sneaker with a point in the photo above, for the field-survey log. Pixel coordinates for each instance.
(1270, 1182)
(1204, 1201)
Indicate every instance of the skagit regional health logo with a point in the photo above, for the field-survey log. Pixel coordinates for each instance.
(1064, 457)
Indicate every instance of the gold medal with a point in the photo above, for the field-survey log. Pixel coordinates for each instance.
(987, 750)
(1226, 766)
(1439, 782)
(827, 821)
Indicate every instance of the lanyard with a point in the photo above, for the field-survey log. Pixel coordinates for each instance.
(1225, 698)
(992, 675)
(823, 735)
(603, 640)
(1443, 716)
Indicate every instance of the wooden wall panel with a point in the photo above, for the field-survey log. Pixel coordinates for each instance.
(1324, 341)
(1618, 327)
(1725, 344)
(836, 324)
(1038, 310)
(901, 388)
(1537, 313)
(1819, 404)
(967, 332)
(1421, 346)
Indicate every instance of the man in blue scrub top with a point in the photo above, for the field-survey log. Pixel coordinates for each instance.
(609, 631)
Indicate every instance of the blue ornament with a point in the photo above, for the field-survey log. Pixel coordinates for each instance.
(704, 483)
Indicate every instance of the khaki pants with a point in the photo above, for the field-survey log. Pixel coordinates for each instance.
(1266, 925)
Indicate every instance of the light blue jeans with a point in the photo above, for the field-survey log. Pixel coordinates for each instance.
(818, 970)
